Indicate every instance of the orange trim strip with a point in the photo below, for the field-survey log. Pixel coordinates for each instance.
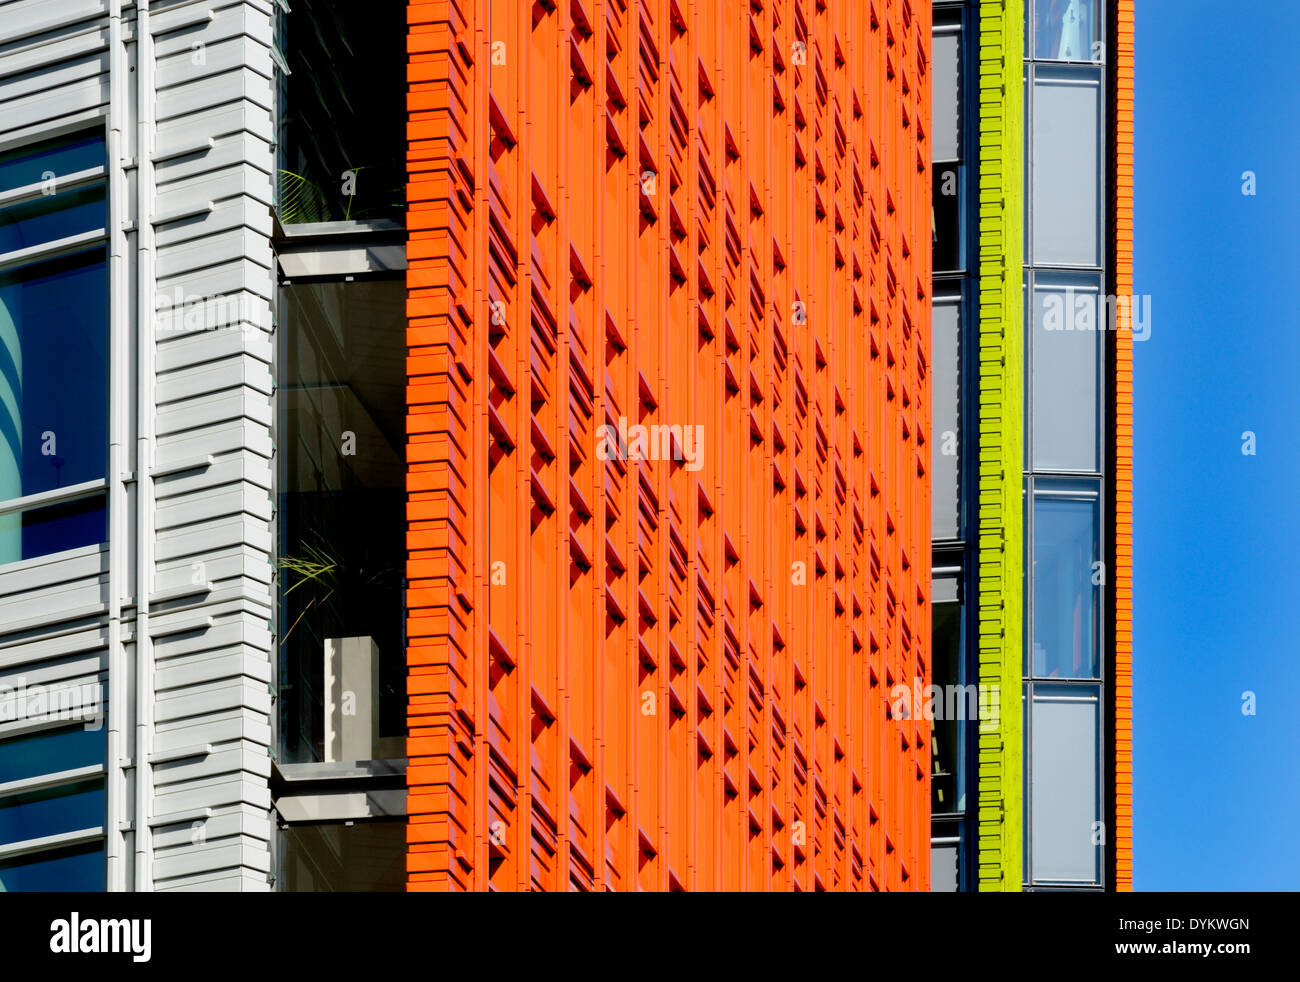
(1123, 477)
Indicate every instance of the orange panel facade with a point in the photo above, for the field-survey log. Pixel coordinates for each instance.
(668, 501)
(1122, 164)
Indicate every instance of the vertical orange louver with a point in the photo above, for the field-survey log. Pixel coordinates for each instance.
(1122, 822)
(705, 223)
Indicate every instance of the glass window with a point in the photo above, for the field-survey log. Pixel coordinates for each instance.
(947, 195)
(945, 432)
(944, 866)
(1064, 30)
(945, 91)
(27, 166)
(1066, 167)
(950, 706)
(341, 445)
(1066, 355)
(50, 752)
(368, 857)
(72, 807)
(53, 353)
(1066, 580)
(343, 151)
(68, 871)
(1065, 783)
(51, 811)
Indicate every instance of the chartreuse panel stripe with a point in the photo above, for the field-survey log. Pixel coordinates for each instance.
(1001, 354)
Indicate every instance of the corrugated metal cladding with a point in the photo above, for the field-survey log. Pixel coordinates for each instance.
(643, 229)
(1001, 426)
(1122, 202)
(189, 170)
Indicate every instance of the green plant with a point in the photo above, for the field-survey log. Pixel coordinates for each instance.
(300, 200)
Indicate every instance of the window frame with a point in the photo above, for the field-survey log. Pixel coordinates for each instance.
(81, 778)
(1064, 70)
(89, 241)
(1072, 488)
(1029, 878)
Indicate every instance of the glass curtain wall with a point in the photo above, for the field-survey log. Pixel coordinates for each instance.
(1067, 321)
(951, 442)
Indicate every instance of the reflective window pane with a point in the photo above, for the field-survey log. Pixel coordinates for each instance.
(945, 92)
(342, 154)
(48, 219)
(363, 856)
(1066, 355)
(1066, 167)
(53, 396)
(1065, 30)
(25, 166)
(945, 432)
(48, 752)
(74, 871)
(946, 200)
(51, 812)
(943, 867)
(341, 441)
(1065, 784)
(1066, 602)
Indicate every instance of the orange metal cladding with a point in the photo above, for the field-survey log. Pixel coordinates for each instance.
(1122, 821)
(642, 673)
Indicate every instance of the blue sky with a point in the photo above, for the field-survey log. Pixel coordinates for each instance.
(1217, 591)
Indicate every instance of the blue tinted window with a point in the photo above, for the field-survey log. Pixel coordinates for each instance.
(68, 155)
(50, 752)
(53, 400)
(48, 219)
(1066, 600)
(53, 351)
(69, 808)
(79, 870)
(69, 525)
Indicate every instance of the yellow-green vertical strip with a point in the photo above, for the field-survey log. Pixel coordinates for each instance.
(1001, 526)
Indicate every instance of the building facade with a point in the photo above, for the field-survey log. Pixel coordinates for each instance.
(669, 364)
(467, 445)
(1032, 577)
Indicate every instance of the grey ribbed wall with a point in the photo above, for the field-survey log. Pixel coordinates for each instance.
(210, 601)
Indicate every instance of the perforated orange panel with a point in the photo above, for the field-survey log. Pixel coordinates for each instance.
(662, 658)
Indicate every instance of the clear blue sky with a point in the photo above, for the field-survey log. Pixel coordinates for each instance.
(1217, 588)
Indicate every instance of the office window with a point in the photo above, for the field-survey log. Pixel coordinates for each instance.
(53, 811)
(342, 148)
(341, 444)
(1065, 784)
(1065, 30)
(952, 709)
(79, 870)
(50, 751)
(945, 433)
(945, 92)
(53, 347)
(1065, 180)
(73, 805)
(947, 202)
(1065, 351)
(948, 179)
(1066, 579)
(945, 866)
(368, 857)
